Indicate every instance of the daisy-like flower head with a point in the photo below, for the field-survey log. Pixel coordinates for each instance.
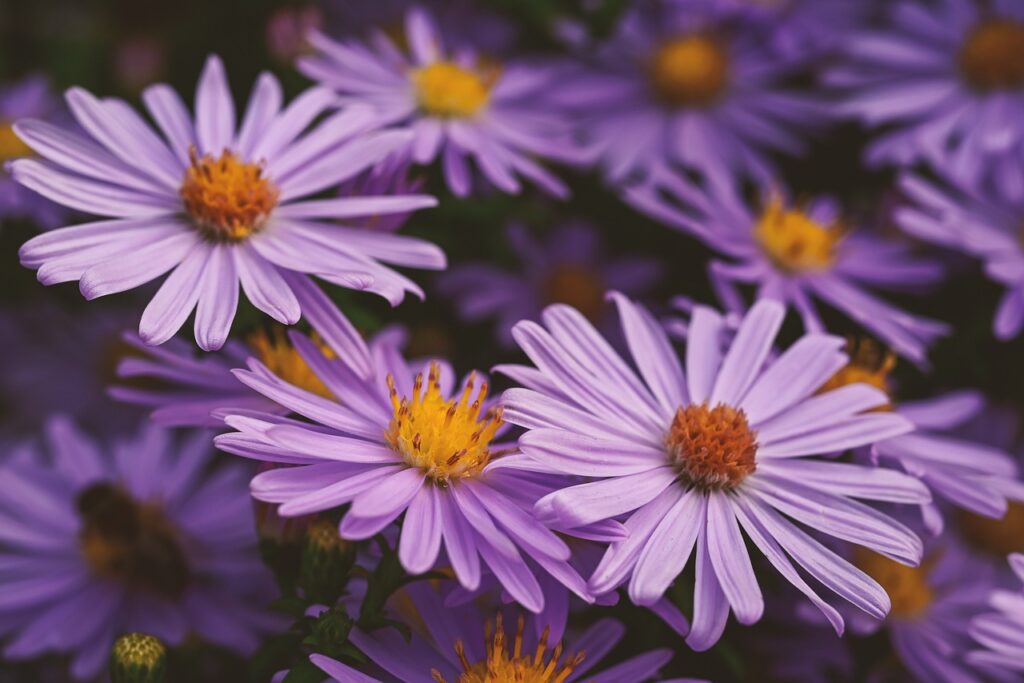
(469, 645)
(99, 543)
(456, 104)
(797, 253)
(397, 438)
(570, 266)
(1001, 632)
(30, 96)
(973, 476)
(947, 82)
(689, 459)
(981, 222)
(680, 87)
(215, 204)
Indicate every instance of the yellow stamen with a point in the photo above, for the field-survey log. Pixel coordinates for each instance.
(576, 286)
(992, 57)
(283, 360)
(794, 241)
(11, 146)
(227, 198)
(713, 448)
(869, 364)
(502, 666)
(448, 90)
(998, 537)
(447, 439)
(907, 587)
(691, 70)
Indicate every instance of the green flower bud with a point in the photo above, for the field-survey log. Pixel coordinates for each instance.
(138, 658)
(326, 561)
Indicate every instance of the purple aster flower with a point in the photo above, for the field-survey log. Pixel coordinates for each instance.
(215, 205)
(796, 253)
(980, 222)
(456, 105)
(467, 645)
(677, 87)
(1001, 632)
(30, 96)
(946, 80)
(571, 266)
(99, 541)
(692, 459)
(395, 438)
(801, 29)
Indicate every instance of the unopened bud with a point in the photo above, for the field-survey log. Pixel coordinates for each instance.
(138, 658)
(327, 559)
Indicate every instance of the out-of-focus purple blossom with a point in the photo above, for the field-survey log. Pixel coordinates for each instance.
(392, 176)
(945, 82)
(139, 60)
(30, 96)
(801, 30)
(800, 253)
(217, 204)
(287, 29)
(1001, 631)
(687, 460)
(980, 222)
(569, 266)
(458, 105)
(678, 89)
(105, 539)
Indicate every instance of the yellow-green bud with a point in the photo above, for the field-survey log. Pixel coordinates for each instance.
(138, 658)
(326, 561)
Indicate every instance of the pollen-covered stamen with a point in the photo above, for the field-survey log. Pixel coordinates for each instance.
(11, 146)
(794, 241)
(449, 90)
(131, 542)
(446, 438)
(517, 666)
(576, 286)
(992, 57)
(228, 199)
(713, 448)
(281, 358)
(869, 364)
(690, 71)
(907, 587)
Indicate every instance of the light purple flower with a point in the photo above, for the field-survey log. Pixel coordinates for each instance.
(677, 88)
(690, 460)
(30, 96)
(945, 81)
(455, 105)
(1001, 632)
(103, 540)
(215, 205)
(458, 641)
(981, 223)
(570, 266)
(797, 254)
(801, 29)
(396, 439)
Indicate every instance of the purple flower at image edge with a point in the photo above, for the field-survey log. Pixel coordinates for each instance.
(1001, 632)
(215, 205)
(691, 459)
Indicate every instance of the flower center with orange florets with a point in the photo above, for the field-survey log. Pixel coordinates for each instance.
(992, 57)
(228, 199)
(794, 241)
(712, 448)
(690, 71)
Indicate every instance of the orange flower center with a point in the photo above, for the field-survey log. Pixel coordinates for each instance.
(577, 286)
(998, 537)
(281, 358)
(447, 439)
(992, 57)
(907, 587)
(131, 542)
(793, 241)
(11, 146)
(690, 71)
(713, 448)
(869, 364)
(505, 665)
(227, 198)
(448, 90)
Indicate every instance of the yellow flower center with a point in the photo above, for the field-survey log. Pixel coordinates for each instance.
(998, 537)
(227, 198)
(869, 364)
(992, 57)
(577, 286)
(131, 542)
(448, 90)
(503, 665)
(713, 448)
(794, 241)
(447, 439)
(907, 587)
(11, 146)
(281, 358)
(692, 70)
